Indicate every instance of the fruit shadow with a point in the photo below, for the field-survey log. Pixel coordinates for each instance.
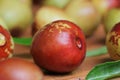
(51, 73)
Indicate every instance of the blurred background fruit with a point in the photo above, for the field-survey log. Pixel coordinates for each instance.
(56, 3)
(3, 24)
(27, 2)
(105, 5)
(47, 14)
(85, 14)
(111, 18)
(17, 16)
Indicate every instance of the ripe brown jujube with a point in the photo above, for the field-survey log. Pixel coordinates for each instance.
(19, 69)
(59, 47)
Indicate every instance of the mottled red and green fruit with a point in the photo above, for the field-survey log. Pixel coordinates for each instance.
(113, 42)
(6, 44)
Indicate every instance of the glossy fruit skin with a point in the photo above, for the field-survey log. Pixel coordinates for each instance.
(6, 44)
(113, 42)
(59, 47)
(19, 69)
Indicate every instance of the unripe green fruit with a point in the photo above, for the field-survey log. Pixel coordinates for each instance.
(85, 15)
(56, 3)
(2, 23)
(47, 14)
(111, 18)
(26, 2)
(103, 6)
(16, 15)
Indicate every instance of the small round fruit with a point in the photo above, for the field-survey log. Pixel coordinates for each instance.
(113, 42)
(111, 18)
(85, 14)
(2, 23)
(47, 14)
(26, 2)
(59, 47)
(6, 44)
(17, 16)
(19, 69)
(103, 6)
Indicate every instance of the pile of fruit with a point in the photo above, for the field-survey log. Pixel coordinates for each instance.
(57, 40)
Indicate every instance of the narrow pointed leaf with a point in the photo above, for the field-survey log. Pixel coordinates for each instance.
(104, 71)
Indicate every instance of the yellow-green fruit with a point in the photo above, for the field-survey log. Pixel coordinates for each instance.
(112, 17)
(113, 42)
(47, 14)
(85, 14)
(103, 6)
(26, 2)
(16, 15)
(2, 23)
(6, 42)
(56, 3)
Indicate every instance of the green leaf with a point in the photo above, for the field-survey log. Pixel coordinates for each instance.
(104, 71)
(23, 41)
(97, 52)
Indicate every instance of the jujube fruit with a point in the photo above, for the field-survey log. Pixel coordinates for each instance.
(103, 6)
(3, 24)
(56, 3)
(111, 18)
(6, 44)
(85, 14)
(48, 14)
(59, 47)
(113, 42)
(19, 69)
(17, 16)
